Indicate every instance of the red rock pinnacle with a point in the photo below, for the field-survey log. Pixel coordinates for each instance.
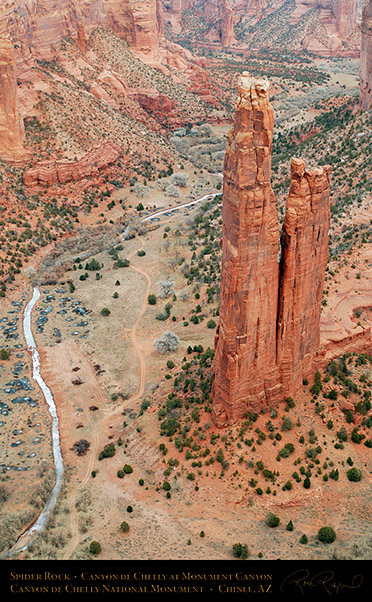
(366, 58)
(245, 371)
(11, 125)
(268, 333)
(304, 242)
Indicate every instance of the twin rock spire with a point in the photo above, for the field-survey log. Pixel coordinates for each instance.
(269, 329)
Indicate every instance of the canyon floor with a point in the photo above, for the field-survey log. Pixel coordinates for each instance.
(186, 489)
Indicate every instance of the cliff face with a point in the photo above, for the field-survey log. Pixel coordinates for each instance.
(366, 58)
(245, 371)
(337, 16)
(35, 25)
(11, 125)
(325, 24)
(304, 243)
(52, 172)
(173, 13)
(268, 333)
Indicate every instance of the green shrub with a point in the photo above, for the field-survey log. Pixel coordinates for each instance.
(287, 424)
(240, 550)
(127, 469)
(166, 486)
(354, 474)
(93, 265)
(124, 527)
(151, 299)
(326, 535)
(120, 474)
(122, 263)
(272, 520)
(105, 311)
(356, 437)
(108, 451)
(4, 354)
(290, 526)
(304, 539)
(95, 547)
(211, 324)
(129, 509)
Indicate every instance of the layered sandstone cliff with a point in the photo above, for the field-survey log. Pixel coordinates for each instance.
(34, 26)
(62, 171)
(268, 334)
(366, 58)
(321, 26)
(11, 125)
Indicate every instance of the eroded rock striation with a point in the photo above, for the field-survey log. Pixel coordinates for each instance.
(62, 171)
(11, 125)
(304, 244)
(326, 27)
(268, 334)
(366, 58)
(34, 26)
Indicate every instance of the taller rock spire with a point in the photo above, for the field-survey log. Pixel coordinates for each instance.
(268, 334)
(366, 58)
(245, 371)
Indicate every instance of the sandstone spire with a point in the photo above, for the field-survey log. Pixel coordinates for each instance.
(227, 24)
(304, 242)
(366, 58)
(245, 371)
(268, 333)
(11, 125)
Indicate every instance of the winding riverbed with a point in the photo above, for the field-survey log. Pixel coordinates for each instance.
(42, 520)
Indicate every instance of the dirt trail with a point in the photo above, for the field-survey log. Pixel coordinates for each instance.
(99, 428)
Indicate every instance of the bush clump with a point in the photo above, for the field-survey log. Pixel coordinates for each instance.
(272, 520)
(240, 550)
(124, 527)
(354, 474)
(167, 343)
(94, 547)
(108, 451)
(326, 535)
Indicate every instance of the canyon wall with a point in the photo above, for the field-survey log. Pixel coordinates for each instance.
(366, 58)
(268, 333)
(34, 26)
(11, 125)
(62, 171)
(324, 24)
